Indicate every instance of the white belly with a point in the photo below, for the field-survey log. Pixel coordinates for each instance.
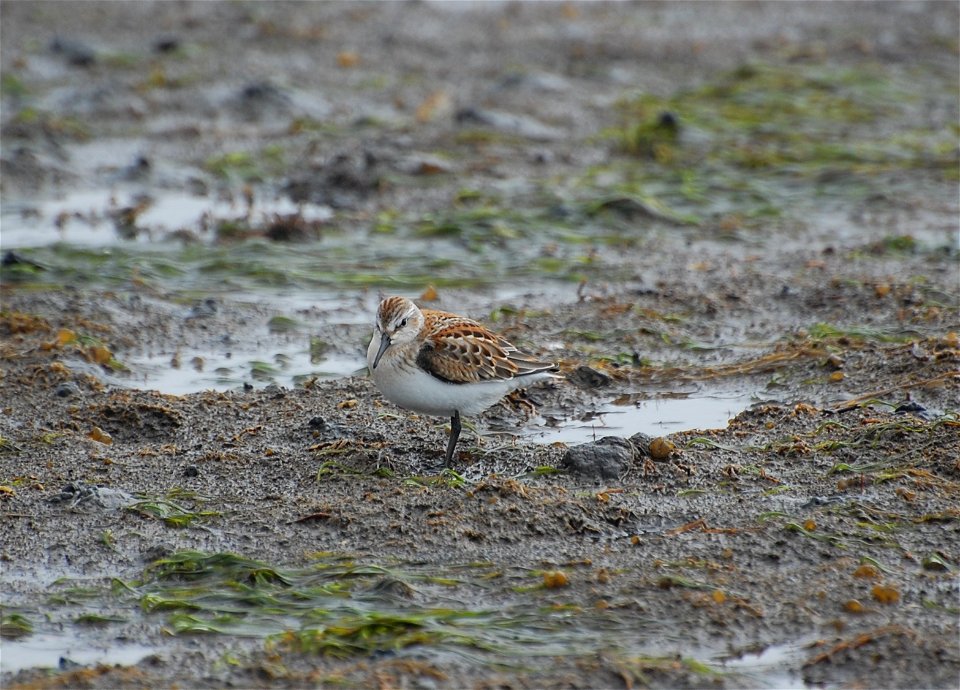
(414, 389)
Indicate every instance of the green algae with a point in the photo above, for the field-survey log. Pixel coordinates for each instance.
(15, 625)
(820, 332)
(172, 509)
(339, 606)
(257, 267)
(766, 139)
(248, 166)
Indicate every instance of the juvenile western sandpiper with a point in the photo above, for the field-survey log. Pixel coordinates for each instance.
(437, 363)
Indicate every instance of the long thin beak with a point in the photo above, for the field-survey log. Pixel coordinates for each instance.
(384, 344)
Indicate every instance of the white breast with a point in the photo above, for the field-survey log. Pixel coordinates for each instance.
(407, 386)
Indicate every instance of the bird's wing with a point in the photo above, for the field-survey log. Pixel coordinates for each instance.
(460, 350)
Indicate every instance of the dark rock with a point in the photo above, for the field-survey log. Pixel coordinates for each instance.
(343, 181)
(11, 258)
(262, 91)
(138, 170)
(166, 44)
(328, 431)
(605, 458)
(668, 120)
(912, 407)
(204, 309)
(587, 377)
(67, 389)
(191, 471)
(70, 491)
(292, 228)
(74, 52)
(615, 441)
(157, 551)
(641, 442)
(260, 100)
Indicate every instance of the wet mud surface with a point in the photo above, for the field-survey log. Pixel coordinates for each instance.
(200, 486)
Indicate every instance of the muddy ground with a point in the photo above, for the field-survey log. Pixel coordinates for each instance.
(297, 532)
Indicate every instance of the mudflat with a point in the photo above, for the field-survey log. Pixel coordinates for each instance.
(734, 225)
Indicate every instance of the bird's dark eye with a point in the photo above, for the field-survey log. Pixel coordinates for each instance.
(403, 323)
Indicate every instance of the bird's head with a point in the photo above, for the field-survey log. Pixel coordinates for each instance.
(399, 321)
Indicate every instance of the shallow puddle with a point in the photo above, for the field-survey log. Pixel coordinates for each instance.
(338, 605)
(656, 416)
(773, 667)
(88, 218)
(63, 651)
(204, 370)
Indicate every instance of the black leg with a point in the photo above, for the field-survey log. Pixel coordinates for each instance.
(454, 435)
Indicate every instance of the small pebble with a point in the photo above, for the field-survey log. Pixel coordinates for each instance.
(587, 377)
(661, 448)
(166, 44)
(910, 406)
(67, 389)
(74, 52)
(641, 442)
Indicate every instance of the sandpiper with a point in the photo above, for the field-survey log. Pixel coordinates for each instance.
(436, 363)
